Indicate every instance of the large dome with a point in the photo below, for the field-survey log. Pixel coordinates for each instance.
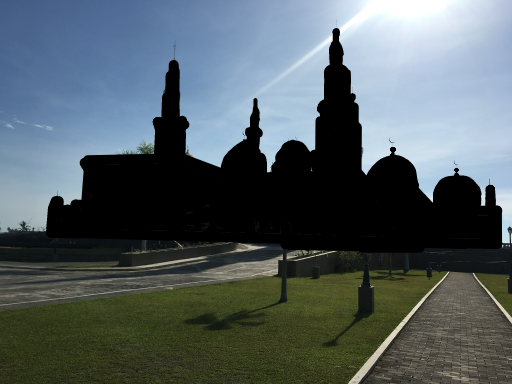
(393, 171)
(457, 191)
(293, 157)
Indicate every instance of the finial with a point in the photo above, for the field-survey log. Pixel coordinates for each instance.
(174, 49)
(489, 181)
(456, 170)
(336, 23)
(393, 150)
(392, 142)
(57, 193)
(454, 162)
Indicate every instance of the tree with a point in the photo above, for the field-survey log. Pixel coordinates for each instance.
(143, 149)
(24, 226)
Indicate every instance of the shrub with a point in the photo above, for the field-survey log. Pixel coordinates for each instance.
(351, 261)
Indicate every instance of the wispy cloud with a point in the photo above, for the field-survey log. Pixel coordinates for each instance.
(47, 127)
(5, 123)
(16, 120)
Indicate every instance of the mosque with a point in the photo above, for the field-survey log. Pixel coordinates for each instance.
(335, 205)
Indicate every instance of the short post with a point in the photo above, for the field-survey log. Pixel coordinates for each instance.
(366, 290)
(284, 274)
(143, 245)
(406, 263)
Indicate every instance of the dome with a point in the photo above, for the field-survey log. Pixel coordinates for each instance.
(457, 191)
(393, 171)
(244, 159)
(293, 157)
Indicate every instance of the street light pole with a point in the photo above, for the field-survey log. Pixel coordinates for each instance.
(284, 274)
(366, 274)
(509, 229)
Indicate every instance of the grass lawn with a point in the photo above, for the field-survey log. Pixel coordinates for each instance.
(234, 332)
(498, 286)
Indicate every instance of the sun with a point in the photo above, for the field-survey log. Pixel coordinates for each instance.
(406, 8)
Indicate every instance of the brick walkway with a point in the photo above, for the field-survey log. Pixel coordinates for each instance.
(458, 335)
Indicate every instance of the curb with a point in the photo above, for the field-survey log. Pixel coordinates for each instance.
(122, 269)
(367, 368)
(509, 318)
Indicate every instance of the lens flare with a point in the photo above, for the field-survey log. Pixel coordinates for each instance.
(406, 8)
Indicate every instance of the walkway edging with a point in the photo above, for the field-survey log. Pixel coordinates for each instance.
(366, 369)
(509, 318)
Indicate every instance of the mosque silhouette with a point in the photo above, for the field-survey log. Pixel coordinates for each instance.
(318, 199)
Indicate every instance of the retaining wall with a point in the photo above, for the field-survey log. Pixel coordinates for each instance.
(455, 260)
(304, 267)
(163, 255)
(54, 254)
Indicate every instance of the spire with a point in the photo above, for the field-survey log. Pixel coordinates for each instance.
(170, 136)
(254, 129)
(335, 49)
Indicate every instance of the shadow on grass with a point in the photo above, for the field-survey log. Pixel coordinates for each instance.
(214, 324)
(385, 275)
(358, 316)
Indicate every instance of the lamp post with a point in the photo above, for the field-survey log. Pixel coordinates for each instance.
(284, 274)
(429, 270)
(509, 229)
(390, 272)
(366, 291)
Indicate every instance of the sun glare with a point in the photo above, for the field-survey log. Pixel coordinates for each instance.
(406, 8)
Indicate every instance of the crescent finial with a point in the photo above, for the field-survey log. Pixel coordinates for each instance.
(454, 162)
(392, 142)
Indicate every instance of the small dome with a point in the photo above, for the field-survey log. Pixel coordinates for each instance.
(293, 157)
(393, 171)
(457, 191)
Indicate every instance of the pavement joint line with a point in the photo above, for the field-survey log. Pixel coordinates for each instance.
(507, 315)
(129, 269)
(168, 286)
(367, 368)
(134, 268)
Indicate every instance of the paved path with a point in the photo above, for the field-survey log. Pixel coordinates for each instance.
(23, 285)
(458, 335)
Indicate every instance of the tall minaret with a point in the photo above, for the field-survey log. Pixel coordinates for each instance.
(338, 142)
(170, 135)
(254, 132)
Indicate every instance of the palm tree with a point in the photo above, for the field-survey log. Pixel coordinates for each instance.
(143, 149)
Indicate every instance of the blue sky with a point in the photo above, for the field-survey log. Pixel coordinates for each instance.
(86, 78)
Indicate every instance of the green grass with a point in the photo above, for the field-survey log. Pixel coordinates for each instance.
(234, 332)
(498, 286)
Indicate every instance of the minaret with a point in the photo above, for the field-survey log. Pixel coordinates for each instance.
(170, 135)
(338, 142)
(490, 195)
(254, 132)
